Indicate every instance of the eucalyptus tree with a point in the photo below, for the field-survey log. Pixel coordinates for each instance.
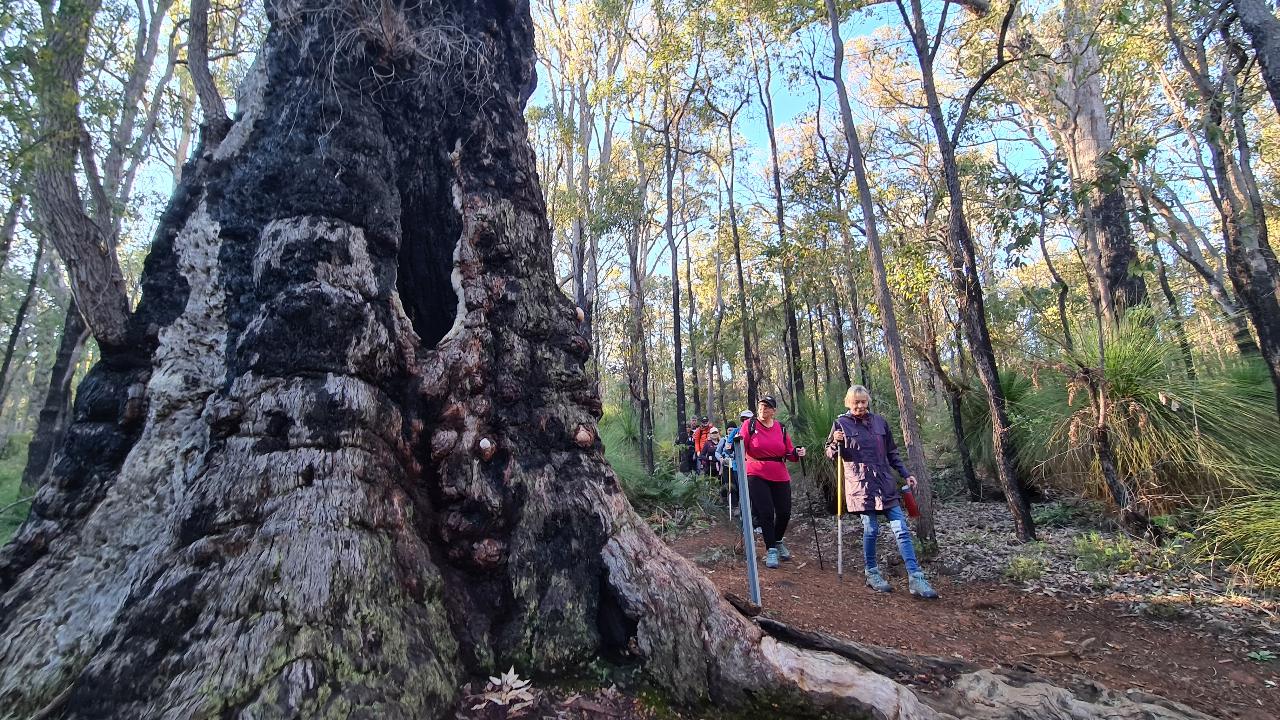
(1217, 75)
(765, 37)
(892, 338)
(727, 104)
(1258, 18)
(1072, 106)
(583, 48)
(966, 278)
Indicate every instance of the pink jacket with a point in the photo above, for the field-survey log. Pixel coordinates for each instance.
(767, 450)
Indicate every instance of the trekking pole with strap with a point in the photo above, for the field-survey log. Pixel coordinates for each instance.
(813, 520)
(744, 511)
(839, 516)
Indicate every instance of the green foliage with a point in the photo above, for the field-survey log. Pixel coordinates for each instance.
(1094, 552)
(1178, 441)
(1066, 514)
(1023, 568)
(1261, 656)
(665, 488)
(13, 458)
(1247, 531)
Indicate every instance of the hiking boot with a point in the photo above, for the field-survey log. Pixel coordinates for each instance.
(876, 582)
(783, 552)
(771, 559)
(919, 587)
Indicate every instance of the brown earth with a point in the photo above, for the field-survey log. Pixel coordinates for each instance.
(995, 624)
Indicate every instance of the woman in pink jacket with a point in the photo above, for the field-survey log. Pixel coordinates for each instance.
(767, 448)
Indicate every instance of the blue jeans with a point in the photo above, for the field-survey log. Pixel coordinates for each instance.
(898, 522)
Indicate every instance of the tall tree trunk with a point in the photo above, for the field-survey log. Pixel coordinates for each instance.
(1079, 124)
(795, 372)
(892, 339)
(85, 243)
(1251, 263)
(953, 392)
(52, 422)
(844, 355)
(750, 361)
(19, 320)
(669, 161)
(968, 285)
(1258, 18)
(335, 504)
(693, 342)
(826, 357)
(855, 306)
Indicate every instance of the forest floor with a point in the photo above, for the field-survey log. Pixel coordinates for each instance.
(1081, 602)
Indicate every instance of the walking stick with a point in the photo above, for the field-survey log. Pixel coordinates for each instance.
(839, 517)
(744, 511)
(813, 521)
(726, 474)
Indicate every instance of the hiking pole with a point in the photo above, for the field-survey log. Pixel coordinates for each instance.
(839, 517)
(813, 521)
(725, 474)
(744, 511)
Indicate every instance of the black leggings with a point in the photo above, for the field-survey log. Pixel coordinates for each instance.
(770, 507)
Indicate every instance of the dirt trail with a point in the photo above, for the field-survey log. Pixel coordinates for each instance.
(997, 624)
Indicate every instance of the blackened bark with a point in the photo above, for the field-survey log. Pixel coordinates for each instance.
(55, 413)
(339, 503)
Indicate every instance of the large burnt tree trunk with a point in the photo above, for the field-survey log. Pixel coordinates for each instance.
(348, 457)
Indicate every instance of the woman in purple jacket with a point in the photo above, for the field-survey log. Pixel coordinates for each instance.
(868, 451)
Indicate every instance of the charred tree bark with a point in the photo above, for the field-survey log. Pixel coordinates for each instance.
(56, 410)
(349, 457)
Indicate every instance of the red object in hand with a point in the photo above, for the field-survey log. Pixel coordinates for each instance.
(909, 501)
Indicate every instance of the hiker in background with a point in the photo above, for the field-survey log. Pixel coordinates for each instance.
(707, 455)
(700, 439)
(724, 452)
(688, 450)
(768, 447)
(866, 447)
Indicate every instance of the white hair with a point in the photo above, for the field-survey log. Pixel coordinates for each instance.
(857, 391)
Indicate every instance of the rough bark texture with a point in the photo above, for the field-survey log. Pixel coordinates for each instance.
(1072, 108)
(1259, 21)
(349, 456)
